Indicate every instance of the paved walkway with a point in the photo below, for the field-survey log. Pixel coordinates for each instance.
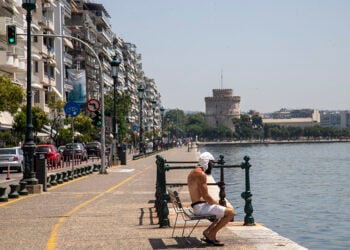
(114, 211)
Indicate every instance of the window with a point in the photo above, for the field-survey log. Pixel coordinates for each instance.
(36, 96)
(47, 96)
(36, 66)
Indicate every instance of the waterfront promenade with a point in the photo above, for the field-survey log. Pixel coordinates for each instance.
(116, 211)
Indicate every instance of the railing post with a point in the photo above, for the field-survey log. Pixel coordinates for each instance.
(247, 196)
(221, 184)
(157, 195)
(164, 197)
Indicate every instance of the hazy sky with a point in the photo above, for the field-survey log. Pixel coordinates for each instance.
(273, 53)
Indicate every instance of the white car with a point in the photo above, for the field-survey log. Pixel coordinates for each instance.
(11, 158)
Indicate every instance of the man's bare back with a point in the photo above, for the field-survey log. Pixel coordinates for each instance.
(197, 186)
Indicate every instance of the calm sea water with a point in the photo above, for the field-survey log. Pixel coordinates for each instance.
(301, 191)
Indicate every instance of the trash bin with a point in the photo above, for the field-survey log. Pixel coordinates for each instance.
(41, 170)
(122, 154)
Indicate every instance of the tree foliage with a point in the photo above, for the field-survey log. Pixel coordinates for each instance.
(11, 95)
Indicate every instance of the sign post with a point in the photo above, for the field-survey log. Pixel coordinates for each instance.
(72, 109)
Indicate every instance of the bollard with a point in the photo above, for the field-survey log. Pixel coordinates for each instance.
(3, 195)
(59, 178)
(75, 175)
(79, 172)
(53, 181)
(23, 188)
(70, 175)
(247, 196)
(64, 176)
(48, 184)
(13, 192)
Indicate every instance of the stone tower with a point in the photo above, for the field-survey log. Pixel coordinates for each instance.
(221, 108)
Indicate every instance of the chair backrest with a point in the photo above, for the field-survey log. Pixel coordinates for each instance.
(175, 199)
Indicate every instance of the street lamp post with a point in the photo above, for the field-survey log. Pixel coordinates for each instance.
(162, 124)
(141, 90)
(29, 144)
(115, 66)
(154, 104)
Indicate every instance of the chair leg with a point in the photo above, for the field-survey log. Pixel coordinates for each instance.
(194, 227)
(172, 235)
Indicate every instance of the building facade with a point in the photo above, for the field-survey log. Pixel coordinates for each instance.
(221, 108)
(57, 61)
(293, 118)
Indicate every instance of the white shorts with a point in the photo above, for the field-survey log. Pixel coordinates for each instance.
(207, 209)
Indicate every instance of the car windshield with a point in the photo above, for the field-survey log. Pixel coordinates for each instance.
(43, 149)
(8, 151)
(93, 144)
(70, 146)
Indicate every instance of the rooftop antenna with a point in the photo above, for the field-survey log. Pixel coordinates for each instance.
(222, 81)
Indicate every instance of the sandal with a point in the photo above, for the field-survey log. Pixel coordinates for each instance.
(212, 242)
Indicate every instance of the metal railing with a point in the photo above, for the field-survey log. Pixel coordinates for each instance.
(162, 198)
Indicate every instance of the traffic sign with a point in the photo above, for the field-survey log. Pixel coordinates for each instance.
(93, 105)
(72, 109)
(135, 127)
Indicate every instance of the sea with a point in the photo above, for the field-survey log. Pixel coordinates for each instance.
(301, 191)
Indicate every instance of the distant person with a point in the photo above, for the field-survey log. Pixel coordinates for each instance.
(203, 203)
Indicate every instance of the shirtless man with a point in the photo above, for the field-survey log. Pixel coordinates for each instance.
(203, 203)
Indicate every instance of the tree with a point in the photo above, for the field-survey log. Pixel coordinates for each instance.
(11, 95)
(39, 119)
(56, 116)
(123, 106)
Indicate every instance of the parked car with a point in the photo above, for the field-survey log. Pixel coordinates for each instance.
(13, 158)
(93, 148)
(77, 149)
(61, 148)
(52, 154)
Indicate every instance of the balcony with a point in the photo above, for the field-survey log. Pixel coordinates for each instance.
(105, 35)
(47, 24)
(4, 21)
(102, 18)
(107, 80)
(68, 59)
(10, 62)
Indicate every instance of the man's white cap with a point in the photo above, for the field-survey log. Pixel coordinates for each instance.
(204, 160)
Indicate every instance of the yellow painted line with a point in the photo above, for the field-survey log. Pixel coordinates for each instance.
(33, 195)
(17, 199)
(51, 244)
(68, 182)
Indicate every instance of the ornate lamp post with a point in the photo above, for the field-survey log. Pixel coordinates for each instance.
(162, 124)
(141, 90)
(29, 145)
(154, 104)
(115, 66)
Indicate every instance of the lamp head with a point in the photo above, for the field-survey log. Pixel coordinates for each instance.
(115, 66)
(29, 4)
(141, 90)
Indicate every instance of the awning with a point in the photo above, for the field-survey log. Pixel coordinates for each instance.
(57, 92)
(37, 85)
(6, 120)
(68, 43)
(47, 129)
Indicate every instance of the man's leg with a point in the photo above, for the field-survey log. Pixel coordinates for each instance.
(216, 226)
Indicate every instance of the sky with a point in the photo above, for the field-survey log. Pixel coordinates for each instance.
(273, 53)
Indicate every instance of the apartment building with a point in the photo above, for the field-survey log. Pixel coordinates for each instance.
(337, 119)
(58, 62)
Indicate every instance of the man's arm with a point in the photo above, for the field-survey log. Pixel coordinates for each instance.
(204, 190)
